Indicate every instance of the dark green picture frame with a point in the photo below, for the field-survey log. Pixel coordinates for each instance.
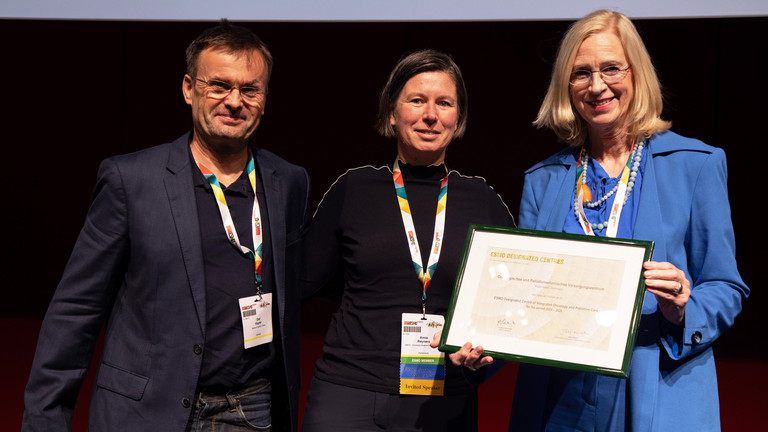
(507, 235)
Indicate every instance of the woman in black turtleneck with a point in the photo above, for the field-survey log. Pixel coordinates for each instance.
(362, 229)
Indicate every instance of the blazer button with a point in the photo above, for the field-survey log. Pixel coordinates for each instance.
(197, 349)
(185, 403)
(696, 338)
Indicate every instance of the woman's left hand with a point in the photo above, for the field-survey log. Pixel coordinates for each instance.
(671, 288)
(468, 356)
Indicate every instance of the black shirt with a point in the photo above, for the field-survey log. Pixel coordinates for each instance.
(229, 276)
(358, 229)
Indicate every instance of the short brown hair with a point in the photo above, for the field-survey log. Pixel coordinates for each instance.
(228, 37)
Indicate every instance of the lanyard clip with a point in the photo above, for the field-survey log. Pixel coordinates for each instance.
(258, 290)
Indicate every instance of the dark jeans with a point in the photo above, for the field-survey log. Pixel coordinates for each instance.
(246, 409)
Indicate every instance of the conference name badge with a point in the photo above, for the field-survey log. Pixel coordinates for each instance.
(256, 315)
(422, 368)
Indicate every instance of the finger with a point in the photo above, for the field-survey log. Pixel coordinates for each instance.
(485, 361)
(473, 360)
(662, 285)
(663, 271)
(477, 360)
(475, 354)
(658, 265)
(670, 279)
(459, 357)
(435, 340)
(664, 294)
(674, 285)
(678, 290)
(665, 275)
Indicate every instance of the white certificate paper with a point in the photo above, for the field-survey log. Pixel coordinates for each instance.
(554, 299)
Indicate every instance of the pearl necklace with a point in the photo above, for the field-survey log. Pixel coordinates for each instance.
(635, 157)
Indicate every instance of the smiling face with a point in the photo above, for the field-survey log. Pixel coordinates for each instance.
(603, 106)
(425, 118)
(225, 125)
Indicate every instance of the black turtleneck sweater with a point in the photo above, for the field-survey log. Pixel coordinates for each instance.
(358, 231)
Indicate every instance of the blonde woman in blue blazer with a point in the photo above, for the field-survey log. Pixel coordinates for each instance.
(605, 101)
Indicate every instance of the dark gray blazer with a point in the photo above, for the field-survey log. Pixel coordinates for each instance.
(137, 265)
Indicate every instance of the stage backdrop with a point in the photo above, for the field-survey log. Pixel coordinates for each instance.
(76, 92)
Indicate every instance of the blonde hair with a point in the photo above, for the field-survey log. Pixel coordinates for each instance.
(557, 111)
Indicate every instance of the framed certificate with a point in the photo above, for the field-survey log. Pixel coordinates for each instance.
(554, 299)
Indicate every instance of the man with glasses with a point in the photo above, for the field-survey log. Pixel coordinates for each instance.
(189, 254)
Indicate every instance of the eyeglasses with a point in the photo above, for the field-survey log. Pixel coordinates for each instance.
(220, 89)
(609, 75)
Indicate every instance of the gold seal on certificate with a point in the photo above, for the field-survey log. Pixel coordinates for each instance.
(555, 299)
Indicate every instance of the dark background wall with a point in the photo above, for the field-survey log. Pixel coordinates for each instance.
(77, 92)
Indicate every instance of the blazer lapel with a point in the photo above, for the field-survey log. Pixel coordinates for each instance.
(561, 188)
(181, 198)
(645, 361)
(277, 230)
(649, 213)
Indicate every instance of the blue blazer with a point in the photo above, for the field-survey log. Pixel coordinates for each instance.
(684, 209)
(137, 265)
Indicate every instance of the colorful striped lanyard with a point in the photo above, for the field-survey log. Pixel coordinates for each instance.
(226, 217)
(584, 194)
(425, 276)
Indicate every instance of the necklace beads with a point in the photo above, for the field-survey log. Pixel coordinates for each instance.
(634, 157)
